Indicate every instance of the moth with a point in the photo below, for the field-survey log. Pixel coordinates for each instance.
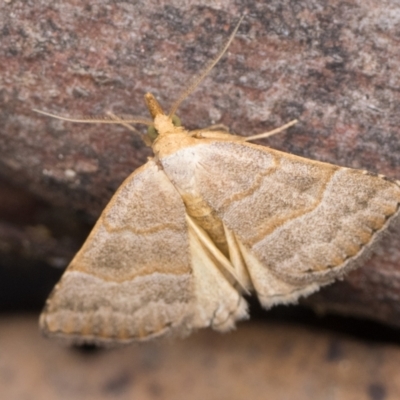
(209, 218)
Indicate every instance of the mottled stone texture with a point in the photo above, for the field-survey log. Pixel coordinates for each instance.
(331, 64)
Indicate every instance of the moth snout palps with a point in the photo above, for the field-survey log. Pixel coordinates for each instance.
(210, 218)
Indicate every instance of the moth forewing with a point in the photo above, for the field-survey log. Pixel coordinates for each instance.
(304, 221)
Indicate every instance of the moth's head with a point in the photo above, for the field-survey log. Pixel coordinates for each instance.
(163, 124)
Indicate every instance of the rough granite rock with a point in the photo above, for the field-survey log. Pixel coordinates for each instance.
(331, 64)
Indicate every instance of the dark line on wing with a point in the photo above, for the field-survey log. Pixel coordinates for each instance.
(258, 181)
(154, 229)
(279, 222)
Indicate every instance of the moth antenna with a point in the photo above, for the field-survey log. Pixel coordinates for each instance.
(103, 120)
(122, 122)
(130, 127)
(270, 133)
(196, 81)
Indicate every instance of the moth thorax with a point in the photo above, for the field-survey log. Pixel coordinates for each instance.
(164, 125)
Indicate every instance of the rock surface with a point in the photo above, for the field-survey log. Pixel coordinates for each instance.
(331, 64)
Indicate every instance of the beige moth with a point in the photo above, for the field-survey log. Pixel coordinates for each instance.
(208, 219)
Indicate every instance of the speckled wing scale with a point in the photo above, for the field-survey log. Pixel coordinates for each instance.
(297, 224)
(209, 218)
(106, 293)
(141, 273)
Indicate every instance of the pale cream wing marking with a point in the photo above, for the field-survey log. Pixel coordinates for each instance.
(306, 221)
(270, 289)
(218, 303)
(237, 259)
(132, 279)
(226, 267)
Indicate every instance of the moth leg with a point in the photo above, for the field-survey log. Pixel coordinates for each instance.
(120, 121)
(271, 133)
(217, 127)
(209, 129)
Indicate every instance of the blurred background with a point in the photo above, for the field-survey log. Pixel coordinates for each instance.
(333, 65)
